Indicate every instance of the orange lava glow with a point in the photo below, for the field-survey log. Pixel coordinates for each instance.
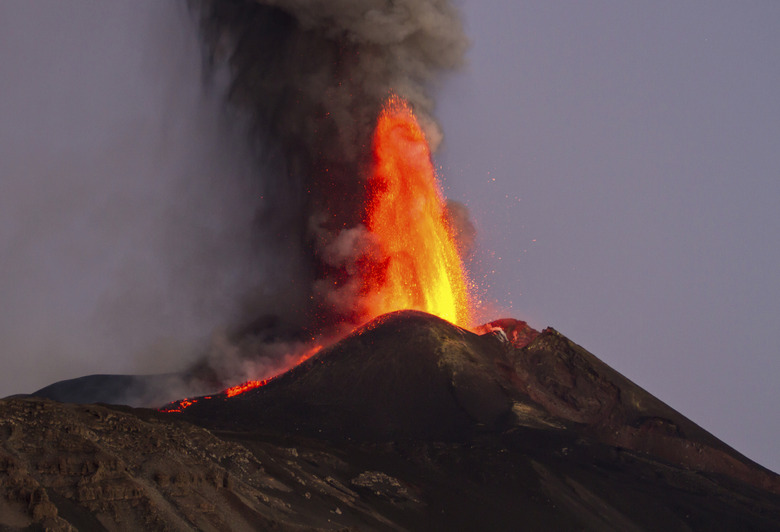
(251, 385)
(245, 387)
(181, 404)
(417, 265)
(421, 268)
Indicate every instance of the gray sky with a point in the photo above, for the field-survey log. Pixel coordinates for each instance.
(125, 207)
(621, 163)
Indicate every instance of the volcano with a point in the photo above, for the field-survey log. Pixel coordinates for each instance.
(409, 423)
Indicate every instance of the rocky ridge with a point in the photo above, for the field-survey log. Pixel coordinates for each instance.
(410, 423)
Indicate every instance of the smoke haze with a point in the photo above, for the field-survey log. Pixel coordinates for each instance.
(144, 224)
(314, 76)
(128, 198)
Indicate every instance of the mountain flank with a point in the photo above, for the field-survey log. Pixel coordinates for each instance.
(410, 423)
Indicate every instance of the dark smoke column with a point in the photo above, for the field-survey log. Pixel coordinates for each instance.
(314, 75)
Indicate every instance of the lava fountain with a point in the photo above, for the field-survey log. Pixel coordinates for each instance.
(420, 267)
(416, 265)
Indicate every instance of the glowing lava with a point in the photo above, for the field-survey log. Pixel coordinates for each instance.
(417, 265)
(245, 387)
(181, 404)
(421, 268)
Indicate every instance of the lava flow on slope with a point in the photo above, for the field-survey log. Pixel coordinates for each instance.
(238, 389)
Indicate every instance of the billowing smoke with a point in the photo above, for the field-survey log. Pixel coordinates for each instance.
(130, 204)
(149, 226)
(462, 227)
(314, 75)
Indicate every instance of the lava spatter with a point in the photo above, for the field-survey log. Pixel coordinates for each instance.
(420, 268)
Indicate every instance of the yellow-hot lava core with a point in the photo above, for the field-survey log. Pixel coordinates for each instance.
(421, 268)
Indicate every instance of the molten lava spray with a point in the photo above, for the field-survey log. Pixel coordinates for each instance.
(415, 264)
(312, 76)
(359, 229)
(420, 268)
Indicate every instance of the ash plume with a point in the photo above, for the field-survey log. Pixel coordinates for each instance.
(128, 198)
(144, 230)
(462, 227)
(313, 75)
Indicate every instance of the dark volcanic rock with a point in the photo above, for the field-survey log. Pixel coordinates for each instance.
(94, 468)
(410, 423)
(414, 376)
(68, 467)
(570, 383)
(405, 375)
(110, 389)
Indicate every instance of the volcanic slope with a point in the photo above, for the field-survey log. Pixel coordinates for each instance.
(410, 423)
(410, 375)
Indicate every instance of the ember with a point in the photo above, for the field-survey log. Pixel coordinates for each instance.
(421, 269)
(178, 406)
(245, 387)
